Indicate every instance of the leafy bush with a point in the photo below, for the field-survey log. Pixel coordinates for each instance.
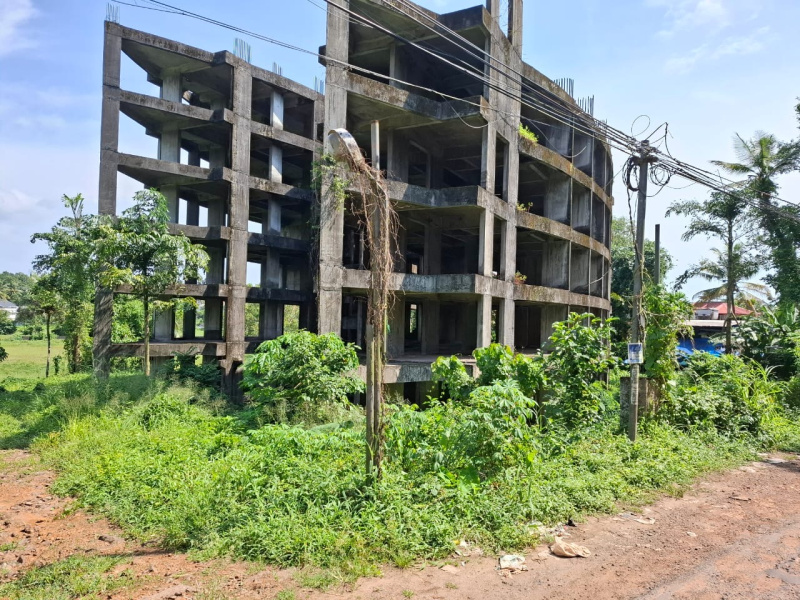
(770, 338)
(184, 367)
(6, 324)
(727, 393)
(579, 355)
(666, 313)
(496, 363)
(3, 354)
(299, 376)
(465, 441)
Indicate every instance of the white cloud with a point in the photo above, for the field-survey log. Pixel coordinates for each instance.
(730, 46)
(682, 15)
(14, 202)
(15, 15)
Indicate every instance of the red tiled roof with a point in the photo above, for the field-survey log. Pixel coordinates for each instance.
(722, 307)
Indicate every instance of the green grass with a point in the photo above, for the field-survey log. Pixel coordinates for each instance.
(68, 579)
(26, 359)
(171, 471)
(175, 469)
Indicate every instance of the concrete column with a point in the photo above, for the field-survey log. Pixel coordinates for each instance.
(395, 343)
(109, 128)
(555, 267)
(270, 320)
(399, 250)
(107, 187)
(276, 108)
(551, 314)
(275, 163)
(557, 198)
(579, 269)
(192, 212)
(331, 234)
(508, 250)
(273, 221)
(238, 215)
(396, 156)
(505, 325)
(429, 327)
(488, 152)
(515, 23)
(484, 321)
(486, 243)
(432, 250)
(104, 314)
(397, 67)
(271, 273)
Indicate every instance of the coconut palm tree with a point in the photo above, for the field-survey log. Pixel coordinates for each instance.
(723, 216)
(760, 160)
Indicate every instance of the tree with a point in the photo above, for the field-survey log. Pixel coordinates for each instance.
(139, 251)
(16, 287)
(46, 301)
(6, 324)
(70, 266)
(622, 261)
(725, 217)
(761, 160)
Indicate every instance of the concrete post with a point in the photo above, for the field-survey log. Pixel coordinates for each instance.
(331, 233)
(484, 321)
(109, 128)
(486, 243)
(395, 343)
(429, 327)
(238, 217)
(432, 250)
(505, 325)
(276, 109)
(275, 163)
(107, 188)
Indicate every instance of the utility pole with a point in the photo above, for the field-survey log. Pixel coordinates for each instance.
(635, 348)
(374, 379)
(657, 268)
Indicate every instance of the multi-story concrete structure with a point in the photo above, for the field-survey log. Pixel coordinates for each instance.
(499, 238)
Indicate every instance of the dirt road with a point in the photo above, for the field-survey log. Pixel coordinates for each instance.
(733, 535)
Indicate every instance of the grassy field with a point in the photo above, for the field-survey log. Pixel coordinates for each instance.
(26, 359)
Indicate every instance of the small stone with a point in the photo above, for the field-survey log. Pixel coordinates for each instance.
(691, 534)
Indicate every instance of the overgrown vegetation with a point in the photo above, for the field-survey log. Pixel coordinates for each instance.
(527, 134)
(174, 465)
(302, 377)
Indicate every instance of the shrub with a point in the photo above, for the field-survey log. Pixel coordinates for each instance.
(579, 355)
(727, 393)
(666, 314)
(300, 376)
(6, 324)
(465, 442)
(184, 367)
(496, 363)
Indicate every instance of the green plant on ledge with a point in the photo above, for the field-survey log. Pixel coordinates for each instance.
(519, 278)
(526, 133)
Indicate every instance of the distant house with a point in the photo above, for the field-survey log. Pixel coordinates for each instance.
(10, 309)
(709, 322)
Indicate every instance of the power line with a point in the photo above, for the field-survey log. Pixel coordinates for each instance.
(580, 122)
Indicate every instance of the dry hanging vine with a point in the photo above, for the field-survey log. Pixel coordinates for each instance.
(371, 206)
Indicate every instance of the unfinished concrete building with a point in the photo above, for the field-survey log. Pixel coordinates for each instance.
(500, 236)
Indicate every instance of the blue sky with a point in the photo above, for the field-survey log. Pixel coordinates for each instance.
(708, 67)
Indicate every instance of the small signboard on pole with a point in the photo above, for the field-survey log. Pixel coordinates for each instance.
(635, 354)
